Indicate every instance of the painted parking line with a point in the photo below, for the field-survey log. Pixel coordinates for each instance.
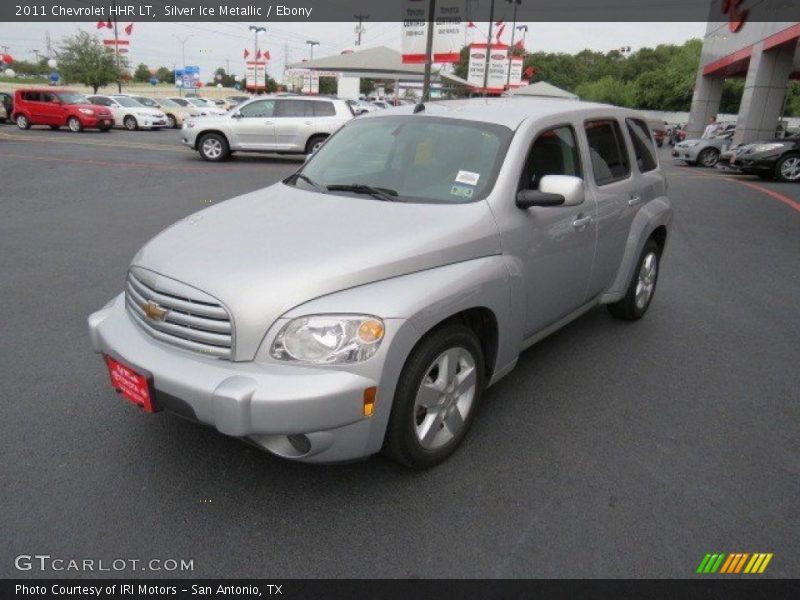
(132, 165)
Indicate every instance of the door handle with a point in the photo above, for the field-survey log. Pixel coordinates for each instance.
(634, 200)
(307, 122)
(581, 222)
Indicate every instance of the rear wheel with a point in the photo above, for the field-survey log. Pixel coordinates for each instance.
(708, 157)
(437, 397)
(788, 168)
(314, 143)
(642, 286)
(130, 123)
(74, 124)
(214, 147)
(23, 122)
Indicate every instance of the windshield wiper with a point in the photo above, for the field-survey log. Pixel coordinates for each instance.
(308, 180)
(381, 193)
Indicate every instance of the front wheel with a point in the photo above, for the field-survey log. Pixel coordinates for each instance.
(75, 125)
(437, 396)
(214, 147)
(709, 157)
(130, 123)
(788, 168)
(23, 122)
(314, 143)
(641, 288)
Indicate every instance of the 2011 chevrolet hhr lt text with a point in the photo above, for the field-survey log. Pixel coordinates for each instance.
(367, 301)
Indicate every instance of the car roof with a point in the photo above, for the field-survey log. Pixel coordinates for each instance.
(507, 111)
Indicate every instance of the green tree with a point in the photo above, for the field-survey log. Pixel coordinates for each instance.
(142, 73)
(83, 59)
(165, 75)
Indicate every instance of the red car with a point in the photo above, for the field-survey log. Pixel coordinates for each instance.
(57, 109)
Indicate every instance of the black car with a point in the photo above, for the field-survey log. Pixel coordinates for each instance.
(773, 159)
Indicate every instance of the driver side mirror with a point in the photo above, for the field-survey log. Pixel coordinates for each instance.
(554, 190)
(236, 115)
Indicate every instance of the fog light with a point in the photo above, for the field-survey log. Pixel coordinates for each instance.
(300, 442)
(369, 401)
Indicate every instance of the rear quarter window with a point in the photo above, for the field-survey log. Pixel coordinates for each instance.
(324, 109)
(607, 150)
(643, 145)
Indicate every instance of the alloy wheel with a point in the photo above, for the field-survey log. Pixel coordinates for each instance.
(790, 168)
(212, 148)
(709, 158)
(445, 398)
(74, 125)
(646, 281)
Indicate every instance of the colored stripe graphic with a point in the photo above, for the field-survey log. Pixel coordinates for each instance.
(727, 564)
(703, 563)
(740, 564)
(734, 563)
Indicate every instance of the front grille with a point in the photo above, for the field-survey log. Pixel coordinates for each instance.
(193, 321)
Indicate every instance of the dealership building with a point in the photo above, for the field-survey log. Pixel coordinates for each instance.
(765, 54)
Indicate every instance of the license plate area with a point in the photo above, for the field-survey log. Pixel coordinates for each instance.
(135, 385)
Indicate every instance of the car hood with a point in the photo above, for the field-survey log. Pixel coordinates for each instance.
(269, 251)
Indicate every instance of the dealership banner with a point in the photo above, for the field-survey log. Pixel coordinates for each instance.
(492, 58)
(515, 74)
(448, 30)
(256, 74)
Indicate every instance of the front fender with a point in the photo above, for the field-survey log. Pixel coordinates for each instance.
(654, 214)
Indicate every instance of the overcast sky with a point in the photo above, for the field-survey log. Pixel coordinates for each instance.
(210, 45)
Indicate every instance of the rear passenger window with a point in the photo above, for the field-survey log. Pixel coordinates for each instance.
(31, 96)
(324, 109)
(294, 108)
(555, 152)
(642, 145)
(607, 151)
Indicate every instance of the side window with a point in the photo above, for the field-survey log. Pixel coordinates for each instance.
(32, 96)
(554, 152)
(642, 145)
(293, 108)
(258, 109)
(323, 109)
(607, 150)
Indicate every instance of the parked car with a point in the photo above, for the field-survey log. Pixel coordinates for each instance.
(7, 102)
(207, 106)
(129, 113)
(3, 113)
(703, 151)
(770, 159)
(381, 104)
(236, 100)
(175, 113)
(367, 301)
(57, 109)
(359, 107)
(291, 125)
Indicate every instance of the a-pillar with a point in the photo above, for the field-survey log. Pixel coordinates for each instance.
(764, 92)
(705, 102)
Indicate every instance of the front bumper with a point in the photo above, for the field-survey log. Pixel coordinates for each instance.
(96, 122)
(150, 122)
(261, 401)
(687, 154)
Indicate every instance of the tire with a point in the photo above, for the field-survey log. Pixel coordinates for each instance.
(634, 305)
(314, 142)
(55, 127)
(23, 122)
(172, 122)
(74, 124)
(788, 168)
(708, 157)
(449, 414)
(213, 147)
(130, 123)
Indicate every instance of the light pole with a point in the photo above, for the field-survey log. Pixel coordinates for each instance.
(516, 4)
(182, 42)
(524, 30)
(256, 29)
(311, 44)
(488, 49)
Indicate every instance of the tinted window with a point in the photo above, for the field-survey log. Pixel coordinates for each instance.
(642, 145)
(324, 109)
(294, 108)
(607, 151)
(555, 152)
(31, 96)
(258, 109)
(100, 101)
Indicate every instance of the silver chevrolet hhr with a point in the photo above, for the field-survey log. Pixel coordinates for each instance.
(366, 302)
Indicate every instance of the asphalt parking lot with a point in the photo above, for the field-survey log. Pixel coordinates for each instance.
(613, 450)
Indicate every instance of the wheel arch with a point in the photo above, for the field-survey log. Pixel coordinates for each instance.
(199, 137)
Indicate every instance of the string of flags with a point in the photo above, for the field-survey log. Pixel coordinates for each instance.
(120, 45)
(259, 55)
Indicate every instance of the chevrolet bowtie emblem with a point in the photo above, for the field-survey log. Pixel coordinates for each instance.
(154, 311)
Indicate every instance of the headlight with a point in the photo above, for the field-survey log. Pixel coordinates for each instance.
(329, 339)
(86, 111)
(766, 147)
(689, 144)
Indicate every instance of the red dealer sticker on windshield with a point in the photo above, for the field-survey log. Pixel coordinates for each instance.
(132, 385)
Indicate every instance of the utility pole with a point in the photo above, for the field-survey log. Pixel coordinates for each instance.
(524, 30)
(516, 3)
(183, 55)
(311, 44)
(116, 46)
(426, 83)
(227, 66)
(360, 29)
(256, 29)
(488, 49)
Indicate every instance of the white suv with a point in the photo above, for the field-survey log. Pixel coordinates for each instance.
(291, 125)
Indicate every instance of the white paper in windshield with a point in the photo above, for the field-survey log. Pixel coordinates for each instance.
(468, 177)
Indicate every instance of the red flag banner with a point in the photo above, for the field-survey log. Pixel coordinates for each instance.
(266, 55)
(258, 54)
(246, 53)
(129, 29)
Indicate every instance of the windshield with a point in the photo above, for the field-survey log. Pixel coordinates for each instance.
(146, 101)
(422, 159)
(70, 98)
(198, 103)
(127, 102)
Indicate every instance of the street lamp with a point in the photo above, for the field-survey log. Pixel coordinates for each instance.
(516, 4)
(182, 42)
(311, 44)
(256, 29)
